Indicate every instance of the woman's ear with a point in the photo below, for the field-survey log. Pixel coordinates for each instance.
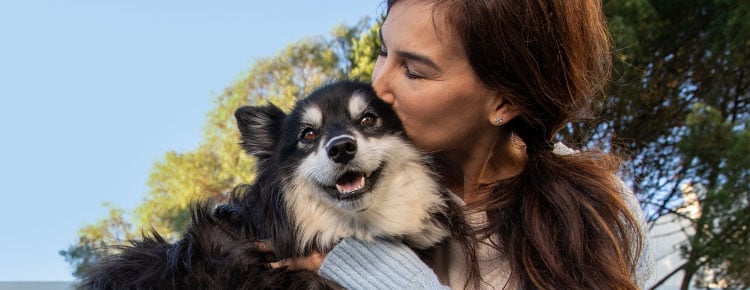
(502, 111)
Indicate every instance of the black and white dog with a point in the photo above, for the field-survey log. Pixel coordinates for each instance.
(337, 166)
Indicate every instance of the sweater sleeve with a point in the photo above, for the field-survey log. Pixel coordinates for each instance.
(645, 265)
(355, 264)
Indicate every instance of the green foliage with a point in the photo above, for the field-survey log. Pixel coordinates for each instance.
(347, 46)
(364, 52)
(94, 239)
(678, 106)
(706, 142)
(719, 152)
(175, 182)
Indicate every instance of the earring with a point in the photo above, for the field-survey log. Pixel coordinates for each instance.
(498, 121)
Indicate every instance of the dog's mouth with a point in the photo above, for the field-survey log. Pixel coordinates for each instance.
(353, 184)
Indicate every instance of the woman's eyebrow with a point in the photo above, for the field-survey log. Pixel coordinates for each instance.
(418, 58)
(410, 55)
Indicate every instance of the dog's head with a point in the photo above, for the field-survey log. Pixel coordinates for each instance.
(341, 158)
(338, 139)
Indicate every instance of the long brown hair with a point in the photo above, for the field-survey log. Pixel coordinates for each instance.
(562, 223)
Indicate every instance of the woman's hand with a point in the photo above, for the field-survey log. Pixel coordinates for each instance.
(311, 262)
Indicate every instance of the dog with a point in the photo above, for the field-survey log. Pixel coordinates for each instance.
(337, 166)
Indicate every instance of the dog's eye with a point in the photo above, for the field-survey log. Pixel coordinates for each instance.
(368, 120)
(309, 135)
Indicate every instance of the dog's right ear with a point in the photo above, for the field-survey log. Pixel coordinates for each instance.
(260, 128)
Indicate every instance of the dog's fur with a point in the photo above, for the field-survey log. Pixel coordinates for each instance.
(337, 166)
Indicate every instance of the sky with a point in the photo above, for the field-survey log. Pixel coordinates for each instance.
(93, 92)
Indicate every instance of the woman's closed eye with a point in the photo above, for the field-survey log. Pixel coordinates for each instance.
(412, 74)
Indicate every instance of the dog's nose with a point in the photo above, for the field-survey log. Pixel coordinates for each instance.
(341, 149)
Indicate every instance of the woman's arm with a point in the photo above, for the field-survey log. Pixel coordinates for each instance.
(355, 264)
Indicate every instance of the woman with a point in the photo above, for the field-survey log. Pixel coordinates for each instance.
(485, 86)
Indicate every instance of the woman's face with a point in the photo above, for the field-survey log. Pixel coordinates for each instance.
(423, 73)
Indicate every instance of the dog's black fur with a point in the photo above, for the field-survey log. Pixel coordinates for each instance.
(220, 249)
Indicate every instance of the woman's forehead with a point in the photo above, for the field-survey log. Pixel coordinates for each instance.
(416, 26)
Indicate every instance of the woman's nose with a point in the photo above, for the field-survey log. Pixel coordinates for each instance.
(380, 82)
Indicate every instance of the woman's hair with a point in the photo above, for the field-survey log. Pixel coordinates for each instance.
(562, 223)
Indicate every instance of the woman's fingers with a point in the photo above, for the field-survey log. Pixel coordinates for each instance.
(311, 262)
(276, 264)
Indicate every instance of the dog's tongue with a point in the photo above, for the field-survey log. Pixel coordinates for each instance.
(350, 182)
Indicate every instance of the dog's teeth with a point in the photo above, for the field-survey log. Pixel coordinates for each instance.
(351, 187)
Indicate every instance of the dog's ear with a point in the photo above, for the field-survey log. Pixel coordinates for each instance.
(260, 128)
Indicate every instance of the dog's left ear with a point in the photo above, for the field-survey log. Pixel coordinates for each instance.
(260, 128)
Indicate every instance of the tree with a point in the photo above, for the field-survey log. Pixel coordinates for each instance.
(678, 108)
(364, 52)
(111, 230)
(718, 153)
(218, 164)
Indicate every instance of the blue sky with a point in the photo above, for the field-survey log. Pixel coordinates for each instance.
(93, 92)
